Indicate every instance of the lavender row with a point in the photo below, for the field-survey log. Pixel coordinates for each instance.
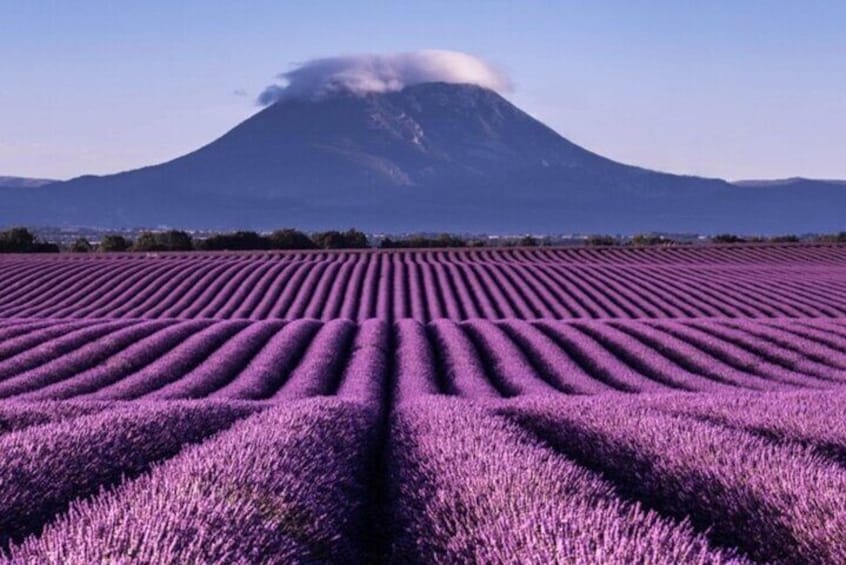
(292, 485)
(15, 416)
(44, 467)
(270, 359)
(53, 342)
(778, 502)
(805, 418)
(819, 254)
(470, 487)
(284, 486)
(426, 285)
(652, 478)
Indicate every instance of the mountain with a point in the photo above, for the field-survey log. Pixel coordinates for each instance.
(21, 182)
(430, 157)
(794, 182)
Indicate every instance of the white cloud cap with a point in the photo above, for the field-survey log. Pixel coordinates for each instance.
(361, 74)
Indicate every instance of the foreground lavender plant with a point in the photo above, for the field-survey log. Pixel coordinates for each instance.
(43, 468)
(806, 418)
(779, 503)
(284, 486)
(470, 487)
(16, 416)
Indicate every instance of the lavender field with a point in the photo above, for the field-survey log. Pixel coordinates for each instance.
(655, 405)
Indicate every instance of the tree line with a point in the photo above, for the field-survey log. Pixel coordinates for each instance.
(653, 240)
(21, 240)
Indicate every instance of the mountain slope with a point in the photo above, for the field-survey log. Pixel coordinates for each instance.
(22, 182)
(429, 157)
(793, 182)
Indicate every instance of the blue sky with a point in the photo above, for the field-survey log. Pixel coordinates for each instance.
(733, 89)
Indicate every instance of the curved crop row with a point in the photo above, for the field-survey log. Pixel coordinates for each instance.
(288, 485)
(470, 487)
(278, 361)
(430, 285)
(680, 478)
(15, 416)
(753, 253)
(44, 467)
(804, 418)
(777, 502)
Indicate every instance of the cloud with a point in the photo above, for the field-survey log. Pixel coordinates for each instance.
(383, 73)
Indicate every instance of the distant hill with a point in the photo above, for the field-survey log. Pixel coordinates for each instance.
(794, 182)
(21, 182)
(431, 157)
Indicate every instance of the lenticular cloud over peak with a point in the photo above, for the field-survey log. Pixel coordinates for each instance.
(361, 74)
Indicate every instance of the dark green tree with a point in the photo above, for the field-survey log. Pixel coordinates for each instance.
(727, 238)
(81, 245)
(21, 240)
(333, 239)
(423, 242)
(785, 239)
(290, 239)
(114, 243)
(236, 241)
(648, 239)
(447, 240)
(831, 237)
(601, 240)
(355, 239)
(16, 240)
(171, 240)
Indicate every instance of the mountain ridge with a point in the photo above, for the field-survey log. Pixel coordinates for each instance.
(786, 182)
(433, 157)
(23, 182)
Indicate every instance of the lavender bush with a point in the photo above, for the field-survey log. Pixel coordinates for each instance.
(779, 503)
(284, 486)
(469, 487)
(45, 467)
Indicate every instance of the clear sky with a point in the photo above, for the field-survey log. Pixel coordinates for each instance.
(725, 88)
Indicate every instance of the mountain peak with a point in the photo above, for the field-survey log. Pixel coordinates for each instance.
(377, 73)
(430, 156)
